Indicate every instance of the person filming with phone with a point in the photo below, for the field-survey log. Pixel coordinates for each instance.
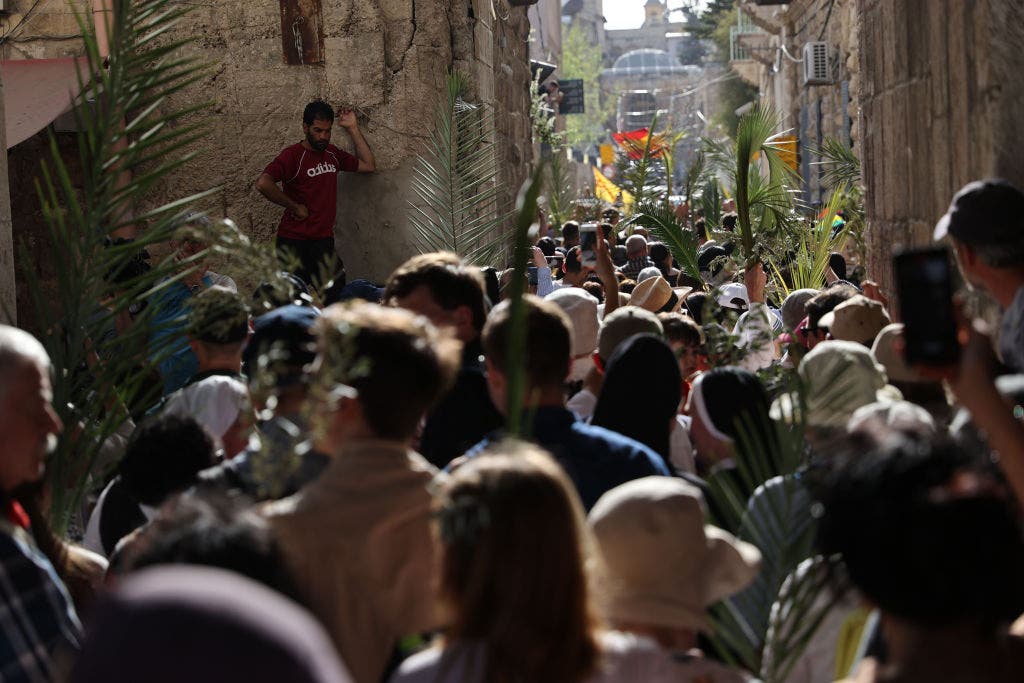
(985, 227)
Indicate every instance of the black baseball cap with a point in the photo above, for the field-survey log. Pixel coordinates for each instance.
(985, 212)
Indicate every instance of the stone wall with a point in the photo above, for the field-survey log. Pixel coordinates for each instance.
(49, 31)
(942, 98)
(387, 60)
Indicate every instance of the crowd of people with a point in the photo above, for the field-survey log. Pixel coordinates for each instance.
(332, 493)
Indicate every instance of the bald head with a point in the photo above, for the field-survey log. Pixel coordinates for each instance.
(18, 347)
(27, 419)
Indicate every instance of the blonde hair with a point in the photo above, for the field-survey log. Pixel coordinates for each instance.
(514, 566)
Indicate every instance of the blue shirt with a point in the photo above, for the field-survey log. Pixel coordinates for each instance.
(169, 347)
(596, 459)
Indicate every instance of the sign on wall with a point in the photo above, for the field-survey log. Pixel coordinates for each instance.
(302, 35)
(572, 91)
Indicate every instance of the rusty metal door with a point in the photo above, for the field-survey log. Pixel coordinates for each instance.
(302, 35)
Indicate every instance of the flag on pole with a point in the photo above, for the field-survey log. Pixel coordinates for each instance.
(634, 142)
(608, 191)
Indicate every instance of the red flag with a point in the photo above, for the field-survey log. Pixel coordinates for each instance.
(634, 141)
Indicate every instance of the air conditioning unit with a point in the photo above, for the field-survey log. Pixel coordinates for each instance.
(816, 67)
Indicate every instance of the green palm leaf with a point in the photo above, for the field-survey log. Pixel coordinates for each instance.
(764, 202)
(455, 180)
(104, 359)
(659, 218)
(842, 167)
(526, 206)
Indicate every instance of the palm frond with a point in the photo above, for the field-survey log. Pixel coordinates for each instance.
(661, 220)
(455, 180)
(637, 174)
(526, 206)
(711, 203)
(842, 167)
(102, 355)
(694, 176)
(558, 188)
(764, 202)
(808, 262)
(777, 521)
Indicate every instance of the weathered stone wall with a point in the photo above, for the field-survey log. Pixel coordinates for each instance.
(49, 31)
(387, 60)
(942, 99)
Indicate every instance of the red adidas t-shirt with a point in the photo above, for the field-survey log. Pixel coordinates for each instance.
(310, 178)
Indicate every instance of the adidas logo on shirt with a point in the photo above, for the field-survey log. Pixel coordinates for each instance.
(321, 168)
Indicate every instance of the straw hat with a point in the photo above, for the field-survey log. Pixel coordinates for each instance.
(652, 294)
(663, 565)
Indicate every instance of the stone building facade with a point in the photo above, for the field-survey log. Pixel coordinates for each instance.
(768, 44)
(658, 32)
(941, 99)
(927, 92)
(386, 59)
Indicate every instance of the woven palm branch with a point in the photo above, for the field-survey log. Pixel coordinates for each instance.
(455, 179)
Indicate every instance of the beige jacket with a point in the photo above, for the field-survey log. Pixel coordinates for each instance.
(359, 544)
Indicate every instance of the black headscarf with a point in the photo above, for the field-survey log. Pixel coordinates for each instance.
(641, 392)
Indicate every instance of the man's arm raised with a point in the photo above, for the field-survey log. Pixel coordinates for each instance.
(347, 120)
(270, 189)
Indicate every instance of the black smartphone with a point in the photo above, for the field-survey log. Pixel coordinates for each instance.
(531, 275)
(555, 261)
(924, 283)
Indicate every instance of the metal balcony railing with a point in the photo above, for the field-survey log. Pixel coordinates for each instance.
(737, 52)
(744, 26)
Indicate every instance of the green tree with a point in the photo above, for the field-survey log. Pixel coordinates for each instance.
(581, 58)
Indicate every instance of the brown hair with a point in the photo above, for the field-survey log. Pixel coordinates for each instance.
(681, 328)
(452, 283)
(398, 362)
(548, 341)
(825, 301)
(514, 566)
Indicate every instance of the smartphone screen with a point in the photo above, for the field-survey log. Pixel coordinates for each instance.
(588, 244)
(531, 275)
(924, 280)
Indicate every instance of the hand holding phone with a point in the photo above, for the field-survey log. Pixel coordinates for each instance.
(588, 245)
(924, 280)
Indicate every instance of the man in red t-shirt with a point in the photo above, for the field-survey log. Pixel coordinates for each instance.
(308, 176)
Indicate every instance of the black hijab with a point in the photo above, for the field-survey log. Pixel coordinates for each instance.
(641, 392)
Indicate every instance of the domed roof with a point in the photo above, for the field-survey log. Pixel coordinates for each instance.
(646, 61)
